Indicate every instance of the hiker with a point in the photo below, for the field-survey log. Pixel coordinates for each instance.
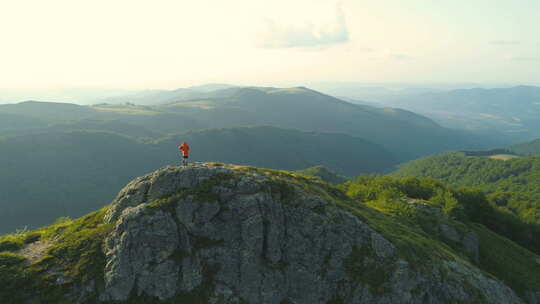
(184, 147)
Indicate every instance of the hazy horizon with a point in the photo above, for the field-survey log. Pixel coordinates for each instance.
(92, 95)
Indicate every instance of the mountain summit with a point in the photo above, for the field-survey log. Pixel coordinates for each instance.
(215, 233)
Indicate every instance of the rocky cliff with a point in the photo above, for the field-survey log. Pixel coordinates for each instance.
(214, 233)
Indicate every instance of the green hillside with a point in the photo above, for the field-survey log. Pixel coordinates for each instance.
(9, 122)
(409, 202)
(512, 186)
(518, 174)
(324, 174)
(529, 148)
(404, 133)
(513, 111)
(52, 174)
(158, 97)
(49, 111)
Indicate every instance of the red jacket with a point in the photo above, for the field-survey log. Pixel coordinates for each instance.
(184, 147)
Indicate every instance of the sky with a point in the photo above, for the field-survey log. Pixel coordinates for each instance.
(140, 44)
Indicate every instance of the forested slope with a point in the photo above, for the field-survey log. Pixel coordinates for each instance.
(52, 174)
(512, 188)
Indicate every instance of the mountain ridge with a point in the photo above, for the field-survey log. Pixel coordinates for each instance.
(217, 232)
(72, 170)
(405, 134)
(513, 112)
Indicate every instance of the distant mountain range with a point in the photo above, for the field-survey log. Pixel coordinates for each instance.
(528, 148)
(514, 111)
(65, 159)
(72, 95)
(157, 97)
(404, 237)
(403, 133)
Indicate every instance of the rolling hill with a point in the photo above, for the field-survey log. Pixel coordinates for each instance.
(405, 134)
(512, 187)
(157, 97)
(69, 173)
(52, 152)
(527, 148)
(324, 174)
(514, 111)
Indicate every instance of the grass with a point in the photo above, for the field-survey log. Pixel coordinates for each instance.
(324, 174)
(362, 267)
(506, 260)
(10, 259)
(125, 109)
(14, 242)
(203, 105)
(503, 156)
(75, 253)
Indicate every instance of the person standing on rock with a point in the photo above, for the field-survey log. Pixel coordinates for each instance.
(184, 148)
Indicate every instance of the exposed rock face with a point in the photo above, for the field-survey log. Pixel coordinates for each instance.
(220, 235)
(469, 240)
(533, 297)
(139, 253)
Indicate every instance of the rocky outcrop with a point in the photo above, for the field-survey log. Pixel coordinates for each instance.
(222, 234)
(533, 297)
(468, 240)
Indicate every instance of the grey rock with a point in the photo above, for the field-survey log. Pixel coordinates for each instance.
(471, 244)
(160, 184)
(139, 254)
(382, 247)
(254, 246)
(533, 297)
(469, 240)
(450, 233)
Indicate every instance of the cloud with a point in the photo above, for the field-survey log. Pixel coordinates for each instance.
(504, 42)
(390, 55)
(367, 50)
(308, 35)
(400, 57)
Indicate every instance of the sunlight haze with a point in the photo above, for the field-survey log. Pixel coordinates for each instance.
(170, 44)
